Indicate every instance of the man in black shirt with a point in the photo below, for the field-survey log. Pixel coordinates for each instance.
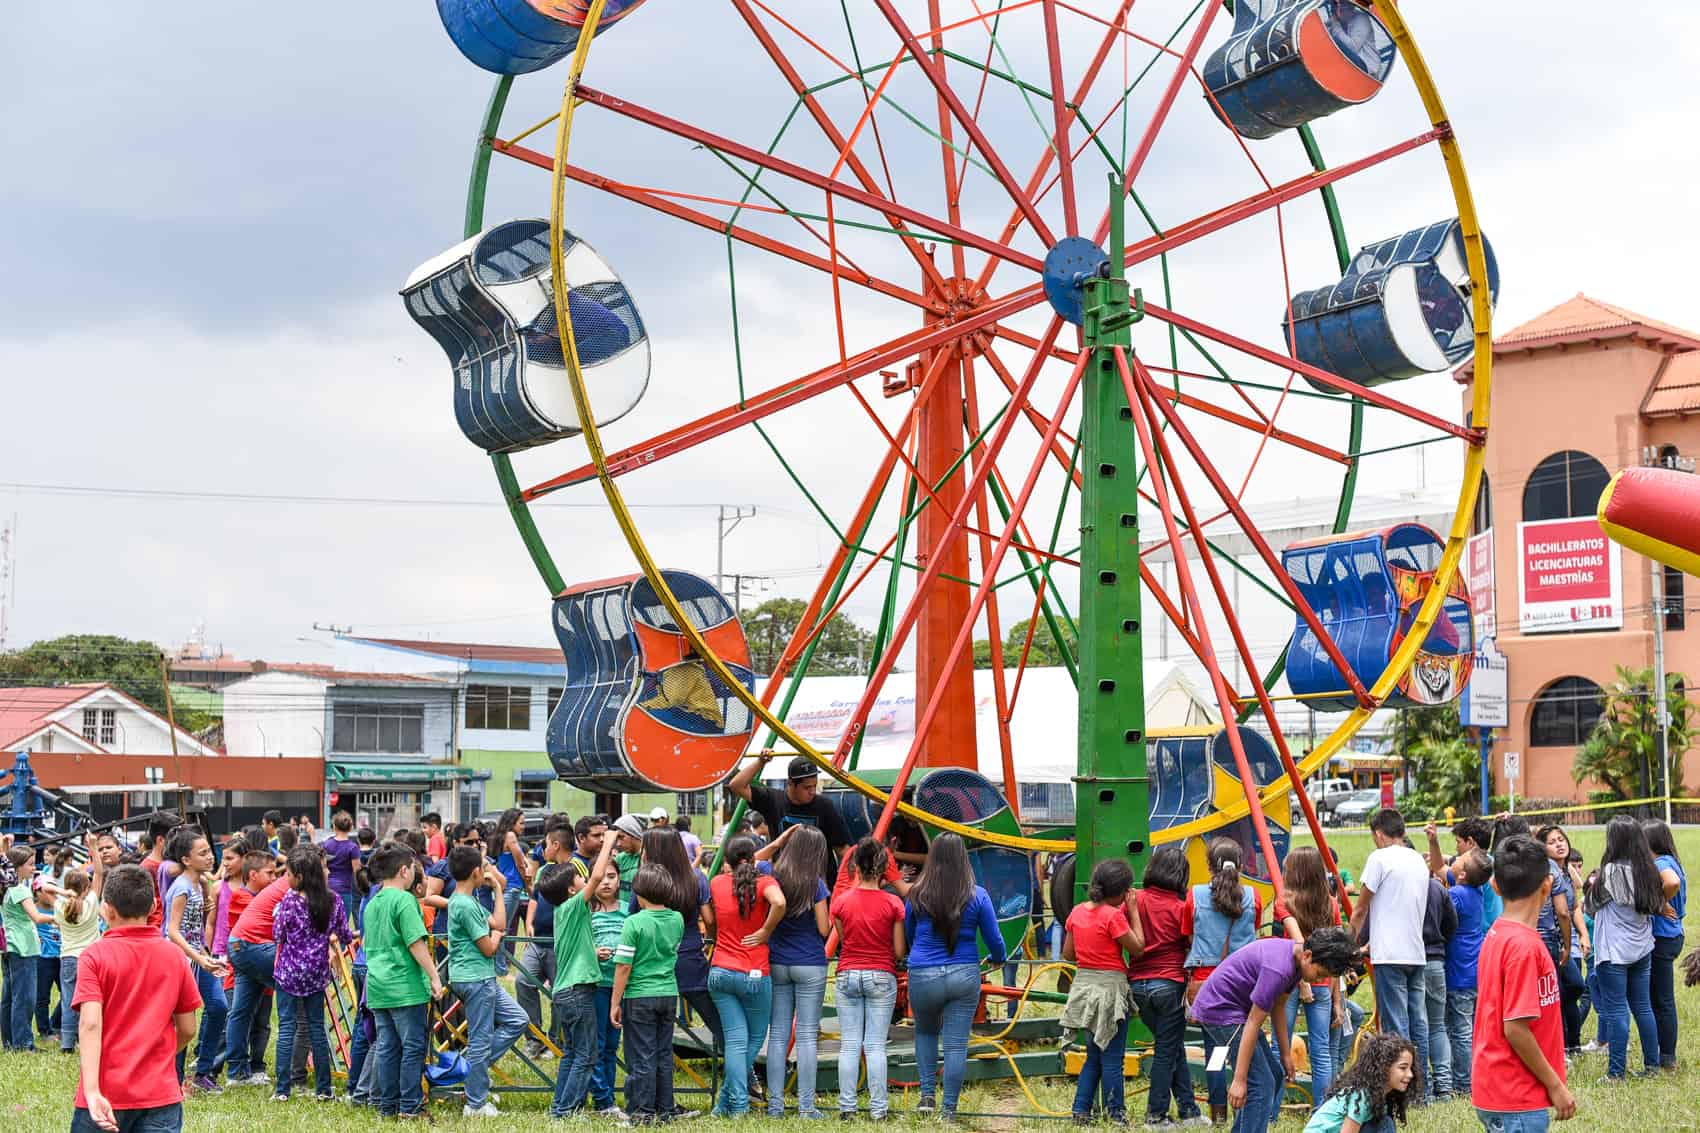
(799, 805)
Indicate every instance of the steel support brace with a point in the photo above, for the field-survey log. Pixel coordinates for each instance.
(1112, 793)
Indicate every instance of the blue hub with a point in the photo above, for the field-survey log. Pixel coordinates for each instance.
(1068, 266)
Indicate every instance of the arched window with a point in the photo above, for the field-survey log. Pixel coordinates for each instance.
(1565, 484)
(1565, 712)
(1482, 518)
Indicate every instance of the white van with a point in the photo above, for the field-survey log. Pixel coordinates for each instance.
(1325, 794)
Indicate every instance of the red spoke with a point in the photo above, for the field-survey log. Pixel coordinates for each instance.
(873, 201)
(1059, 112)
(935, 75)
(1044, 164)
(661, 204)
(771, 401)
(1208, 559)
(988, 570)
(1149, 139)
(1210, 222)
(1252, 533)
(1380, 400)
(828, 127)
(979, 101)
(947, 142)
(1183, 574)
(1027, 410)
(1265, 429)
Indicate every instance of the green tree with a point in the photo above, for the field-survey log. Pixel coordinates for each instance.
(132, 667)
(1446, 762)
(844, 647)
(1622, 752)
(1043, 653)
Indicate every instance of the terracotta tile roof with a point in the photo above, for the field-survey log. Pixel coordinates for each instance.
(471, 651)
(344, 676)
(1676, 387)
(24, 710)
(1584, 317)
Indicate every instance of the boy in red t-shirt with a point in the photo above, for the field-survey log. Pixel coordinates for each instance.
(1100, 1001)
(1517, 1069)
(137, 1001)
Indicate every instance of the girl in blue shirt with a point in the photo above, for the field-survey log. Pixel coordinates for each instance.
(946, 911)
(1667, 936)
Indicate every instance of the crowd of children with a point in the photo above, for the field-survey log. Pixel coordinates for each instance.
(1485, 966)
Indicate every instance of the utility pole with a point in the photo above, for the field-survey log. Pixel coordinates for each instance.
(1661, 708)
(724, 526)
(8, 534)
(738, 581)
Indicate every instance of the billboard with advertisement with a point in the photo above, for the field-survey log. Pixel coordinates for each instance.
(1569, 577)
(1486, 702)
(1478, 574)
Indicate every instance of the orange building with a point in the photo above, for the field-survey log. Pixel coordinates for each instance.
(1579, 392)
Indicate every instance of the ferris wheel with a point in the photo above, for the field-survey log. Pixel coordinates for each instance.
(1020, 295)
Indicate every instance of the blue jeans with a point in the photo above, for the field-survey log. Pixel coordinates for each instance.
(209, 1044)
(359, 1046)
(1661, 988)
(865, 1002)
(1526, 1121)
(744, 1002)
(943, 1000)
(1460, 1029)
(1401, 1000)
(1264, 1082)
(159, 1119)
(798, 992)
(494, 1022)
(1625, 991)
(607, 1052)
(648, 1024)
(1102, 1074)
(69, 1016)
(312, 1008)
(1319, 1037)
(1439, 1042)
(575, 1014)
(400, 1055)
(1162, 1006)
(17, 1001)
(47, 1017)
(1344, 1038)
(252, 965)
(513, 904)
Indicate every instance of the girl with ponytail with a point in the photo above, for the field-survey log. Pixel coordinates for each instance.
(869, 922)
(1221, 916)
(747, 907)
(1100, 1002)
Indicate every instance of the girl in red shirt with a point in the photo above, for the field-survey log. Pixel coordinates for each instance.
(1158, 980)
(747, 906)
(1099, 1002)
(869, 922)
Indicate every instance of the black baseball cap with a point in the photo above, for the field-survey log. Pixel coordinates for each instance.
(801, 768)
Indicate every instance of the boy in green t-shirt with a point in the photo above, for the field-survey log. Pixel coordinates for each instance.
(23, 945)
(494, 1021)
(607, 919)
(576, 974)
(645, 992)
(401, 981)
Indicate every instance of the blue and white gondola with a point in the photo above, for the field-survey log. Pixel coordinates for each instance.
(490, 305)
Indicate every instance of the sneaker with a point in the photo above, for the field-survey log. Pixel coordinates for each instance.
(207, 1084)
(612, 1112)
(926, 1105)
(1195, 1119)
(1158, 1121)
(1082, 1119)
(280, 1097)
(1118, 1119)
(331, 1097)
(488, 1109)
(846, 1115)
(1593, 1047)
(254, 1079)
(417, 1115)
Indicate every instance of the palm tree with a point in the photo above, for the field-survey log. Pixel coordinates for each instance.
(1622, 753)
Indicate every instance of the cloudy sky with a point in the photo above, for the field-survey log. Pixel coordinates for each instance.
(211, 213)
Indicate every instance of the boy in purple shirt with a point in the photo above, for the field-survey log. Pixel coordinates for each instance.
(1248, 987)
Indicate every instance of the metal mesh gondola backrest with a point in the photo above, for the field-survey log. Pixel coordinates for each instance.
(959, 795)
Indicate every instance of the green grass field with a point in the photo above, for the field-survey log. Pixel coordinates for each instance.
(36, 1090)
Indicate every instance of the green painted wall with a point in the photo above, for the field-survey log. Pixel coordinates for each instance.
(499, 788)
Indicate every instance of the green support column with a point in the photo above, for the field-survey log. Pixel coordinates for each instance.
(1112, 796)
